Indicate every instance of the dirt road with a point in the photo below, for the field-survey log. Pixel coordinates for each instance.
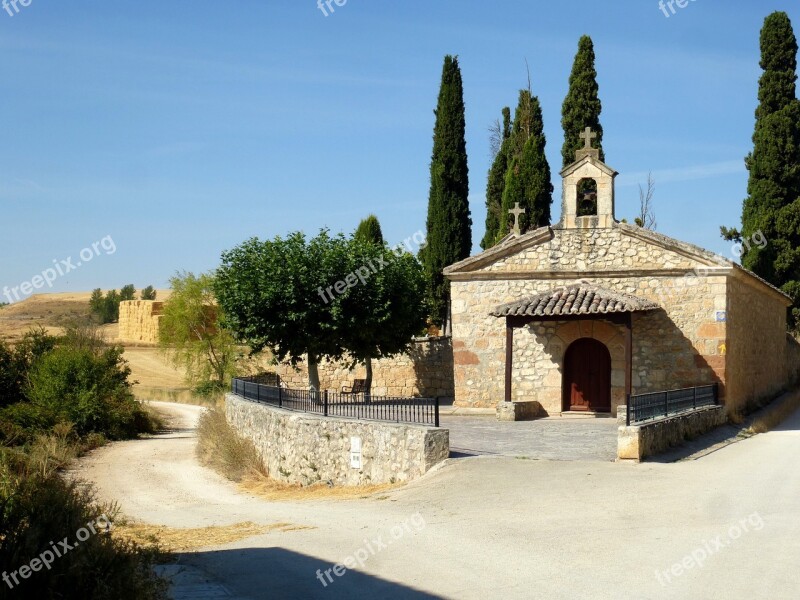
(723, 526)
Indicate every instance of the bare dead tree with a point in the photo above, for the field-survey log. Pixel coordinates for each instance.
(495, 137)
(647, 212)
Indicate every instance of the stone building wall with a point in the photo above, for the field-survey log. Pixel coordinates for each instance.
(592, 249)
(139, 321)
(792, 360)
(425, 371)
(306, 449)
(678, 346)
(756, 344)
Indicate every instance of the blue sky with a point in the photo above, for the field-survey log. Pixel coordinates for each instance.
(182, 128)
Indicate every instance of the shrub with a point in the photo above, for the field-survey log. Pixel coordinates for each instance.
(87, 387)
(16, 362)
(38, 508)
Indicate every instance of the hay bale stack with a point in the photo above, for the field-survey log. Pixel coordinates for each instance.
(139, 321)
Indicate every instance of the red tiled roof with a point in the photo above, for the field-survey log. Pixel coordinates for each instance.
(578, 299)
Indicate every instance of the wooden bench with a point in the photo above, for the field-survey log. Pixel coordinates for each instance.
(359, 387)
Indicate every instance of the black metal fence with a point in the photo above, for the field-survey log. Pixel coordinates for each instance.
(418, 411)
(646, 407)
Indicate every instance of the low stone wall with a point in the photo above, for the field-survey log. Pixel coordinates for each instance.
(426, 370)
(519, 411)
(639, 441)
(305, 449)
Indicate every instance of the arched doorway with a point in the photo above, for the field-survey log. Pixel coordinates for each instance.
(587, 377)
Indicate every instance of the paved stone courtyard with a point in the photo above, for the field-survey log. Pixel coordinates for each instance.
(545, 439)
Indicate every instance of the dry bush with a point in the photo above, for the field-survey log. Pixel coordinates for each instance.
(224, 450)
(53, 451)
(777, 415)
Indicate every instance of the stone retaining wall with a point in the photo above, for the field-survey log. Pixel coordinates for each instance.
(305, 449)
(426, 370)
(639, 441)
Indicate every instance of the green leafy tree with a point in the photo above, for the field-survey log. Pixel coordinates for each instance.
(191, 335)
(148, 293)
(379, 315)
(449, 225)
(111, 307)
(496, 183)
(96, 302)
(106, 307)
(278, 294)
(528, 177)
(369, 230)
(127, 293)
(772, 207)
(16, 362)
(582, 106)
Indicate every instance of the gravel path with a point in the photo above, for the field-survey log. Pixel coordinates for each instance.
(488, 527)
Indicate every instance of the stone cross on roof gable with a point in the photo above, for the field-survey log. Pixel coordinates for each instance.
(588, 135)
(517, 212)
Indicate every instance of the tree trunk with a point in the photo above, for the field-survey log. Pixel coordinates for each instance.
(313, 375)
(368, 381)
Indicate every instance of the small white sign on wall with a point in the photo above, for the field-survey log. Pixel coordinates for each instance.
(355, 452)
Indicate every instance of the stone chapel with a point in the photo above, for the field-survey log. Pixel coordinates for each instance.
(578, 315)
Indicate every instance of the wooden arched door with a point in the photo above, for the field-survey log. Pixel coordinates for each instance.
(587, 376)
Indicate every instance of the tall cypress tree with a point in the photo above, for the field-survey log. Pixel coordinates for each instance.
(369, 230)
(449, 225)
(496, 183)
(582, 105)
(772, 207)
(528, 177)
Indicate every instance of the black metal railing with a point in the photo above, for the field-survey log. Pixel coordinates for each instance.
(656, 405)
(418, 411)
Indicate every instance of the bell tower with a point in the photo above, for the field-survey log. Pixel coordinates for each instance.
(588, 190)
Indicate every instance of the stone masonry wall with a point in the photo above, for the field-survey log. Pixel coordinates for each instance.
(680, 346)
(683, 344)
(595, 249)
(425, 371)
(139, 321)
(756, 345)
(307, 449)
(792, 360)
(640, 441)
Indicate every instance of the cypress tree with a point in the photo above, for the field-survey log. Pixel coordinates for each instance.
(528, 176)
(582, 106)
(496, 183)
(771, 211)
(369, 231)
(449, 225)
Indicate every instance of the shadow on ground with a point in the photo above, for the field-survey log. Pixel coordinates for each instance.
(725, 435)
(274, 573)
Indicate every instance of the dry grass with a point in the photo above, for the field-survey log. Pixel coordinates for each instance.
(269, 489)
(222, 449)
(170, 539)
(774, 416)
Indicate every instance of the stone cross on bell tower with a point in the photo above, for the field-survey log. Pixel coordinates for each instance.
(588, 189)
(588, 150)
(587, 136)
